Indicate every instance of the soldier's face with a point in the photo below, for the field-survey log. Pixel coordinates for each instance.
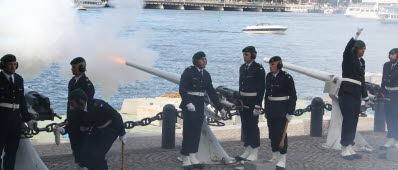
(75, 69)
(393, 57)
(10, 67)
(247, 58)
(361, 52)
(74, 106)
(202, 63)
(273, 67)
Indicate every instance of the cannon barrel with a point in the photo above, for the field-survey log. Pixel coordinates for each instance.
(320, 75)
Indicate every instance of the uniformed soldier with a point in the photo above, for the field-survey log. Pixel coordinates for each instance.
(100, 125)
(389, 86)
(280, 103)
(195, 82)
(13, 111)
(352, 91)
(78, 81)
(251, 90)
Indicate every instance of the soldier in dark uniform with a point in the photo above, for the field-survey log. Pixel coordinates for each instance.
(251, 89)
(100, 125)
(352, 91)
(280, 103)
(78, 81)
(389, 86)
(194, 83)
(13, 111)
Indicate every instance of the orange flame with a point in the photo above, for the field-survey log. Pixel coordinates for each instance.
(119, 60)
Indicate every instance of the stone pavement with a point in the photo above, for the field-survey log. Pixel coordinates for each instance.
(144, 153)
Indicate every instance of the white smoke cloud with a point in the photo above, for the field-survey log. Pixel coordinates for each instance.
(41, 32)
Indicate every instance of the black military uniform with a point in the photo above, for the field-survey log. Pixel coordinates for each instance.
(389, 86)
(100, 125)
(13, 113)
(352, 89)
(280, 100)
(85, 84)
(193, 85)
(251, 89)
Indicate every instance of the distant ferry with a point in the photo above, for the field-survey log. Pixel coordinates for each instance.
(300, 8)
(370, 12)
(391, 18)
(82, 4)
(264, 28)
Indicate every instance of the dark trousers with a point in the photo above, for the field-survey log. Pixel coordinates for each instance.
(250, 128)
(192, 127)
(10, 131)
(391, 112)
(276, 126)
(350, 108)
(75, 138)
(94, 148)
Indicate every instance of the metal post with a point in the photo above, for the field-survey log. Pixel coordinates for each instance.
(379, 120)
(168, 126)
(317, 111)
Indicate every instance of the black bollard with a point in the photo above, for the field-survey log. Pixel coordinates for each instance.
(169, 126)
(380, 119)
(317, 111)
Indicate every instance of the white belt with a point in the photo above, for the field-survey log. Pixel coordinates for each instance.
(10, 105)
(247, 94)
(392, 88)
(194, 93)
(278, 98)
(352, 81)
(105, 125)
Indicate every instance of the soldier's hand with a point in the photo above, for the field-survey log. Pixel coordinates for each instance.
(257, 110)
(223, 113)
(359, 29)
(368, 103)
(123, 139)
(61, 130)
(191, 107)
(289, 117)
(32, 124)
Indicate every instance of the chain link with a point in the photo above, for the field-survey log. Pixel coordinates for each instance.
(143, 122)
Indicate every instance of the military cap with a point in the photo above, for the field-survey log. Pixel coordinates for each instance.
(393, 51)
(77, 94)
(8, 58)
(77, 60)
(198, 55)
(275, 58)
(359, 44)
(249, 49)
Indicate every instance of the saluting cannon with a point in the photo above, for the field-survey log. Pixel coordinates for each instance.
(210, 150)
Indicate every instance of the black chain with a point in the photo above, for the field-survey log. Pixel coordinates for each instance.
(214, 122)
(29, 133)
(143, 122)
(300, 112)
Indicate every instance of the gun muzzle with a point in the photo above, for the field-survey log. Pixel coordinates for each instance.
(228, 104)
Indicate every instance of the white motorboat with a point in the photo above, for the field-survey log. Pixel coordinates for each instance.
(265, 28)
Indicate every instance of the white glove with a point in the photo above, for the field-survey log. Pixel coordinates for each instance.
(223, 113)
(289, 117)
(123, 139)
(359, 31)
(368, 103)
(32, 124)
(61, 130)
(257, 110)
(191, 107)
